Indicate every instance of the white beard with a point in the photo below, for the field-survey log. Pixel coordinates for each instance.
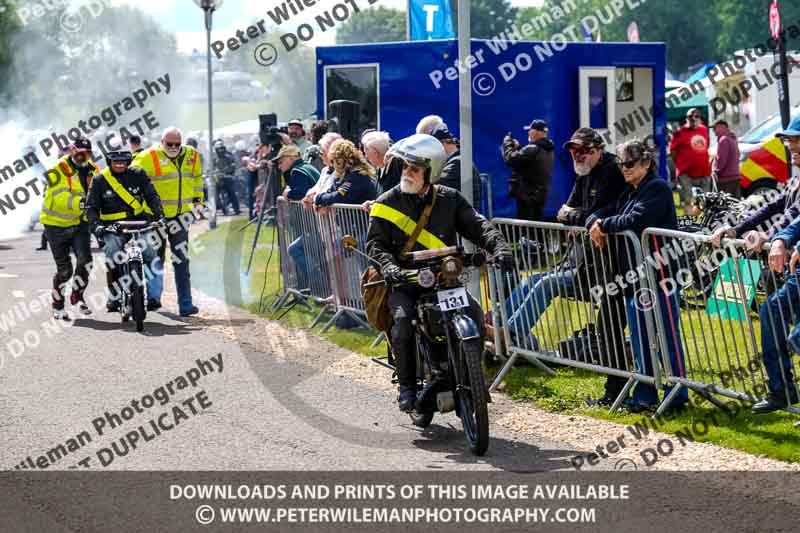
(583, 169)
(407, 186)
(172, 154)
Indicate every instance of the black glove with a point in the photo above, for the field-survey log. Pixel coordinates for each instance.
(393, 274)
(82, 205)
(99, 232)
(504, 258)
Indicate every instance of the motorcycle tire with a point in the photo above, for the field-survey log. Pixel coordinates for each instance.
(472, 401)
(137, 297)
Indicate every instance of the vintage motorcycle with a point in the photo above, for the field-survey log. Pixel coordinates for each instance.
(448, 341)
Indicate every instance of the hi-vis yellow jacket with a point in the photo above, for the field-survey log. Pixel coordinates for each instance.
(62, 199)
(179, 182)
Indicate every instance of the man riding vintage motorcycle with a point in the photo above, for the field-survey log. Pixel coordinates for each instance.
(444, 213)
(122, 193)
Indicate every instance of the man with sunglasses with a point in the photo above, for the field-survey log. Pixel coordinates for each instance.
(393, 218)
(689, 150)
(598, 184)
(176, 172)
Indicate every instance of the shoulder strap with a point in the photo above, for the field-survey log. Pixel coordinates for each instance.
(123, 193)
(423, 221)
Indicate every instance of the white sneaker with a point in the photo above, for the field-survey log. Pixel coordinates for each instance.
(60, 314)
(84, 309)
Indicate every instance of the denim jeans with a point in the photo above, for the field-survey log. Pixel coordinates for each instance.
(668, 305)
(530, 299)
(781, 309)
(178, 238)
(114, 244)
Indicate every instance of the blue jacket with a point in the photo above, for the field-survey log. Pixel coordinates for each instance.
(299, 178)
(353, 188)
(650, 205)
(790, 235)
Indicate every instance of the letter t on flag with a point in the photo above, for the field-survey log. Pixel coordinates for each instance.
(430, 19)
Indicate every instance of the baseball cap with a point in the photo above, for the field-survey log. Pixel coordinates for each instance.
(82, 145)
(441, 133)
(537, 124)
(287, 149)
(295, 122)
(792, 131)
(586, 137)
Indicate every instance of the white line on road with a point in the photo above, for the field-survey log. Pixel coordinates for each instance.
(8, 275)
(18, 294)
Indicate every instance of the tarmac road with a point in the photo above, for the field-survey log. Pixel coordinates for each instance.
(267, 412)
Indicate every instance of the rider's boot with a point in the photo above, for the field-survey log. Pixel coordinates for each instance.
(407, 398)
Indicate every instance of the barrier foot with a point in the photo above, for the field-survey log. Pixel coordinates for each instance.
(378, 339)
(295, 301)
(377, 361)
(498, 379)
(714, 400)
(330, 322)
(535, 361)
(279, 302)
(324, 310)
(622, 395)
(667, 400)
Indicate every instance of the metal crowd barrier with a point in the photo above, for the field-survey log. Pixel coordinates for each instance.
(347, 220)
(720, 290)
(563, 304)
(301, 237)
(314, 265)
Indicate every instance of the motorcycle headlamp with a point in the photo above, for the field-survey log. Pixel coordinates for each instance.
(426, 278)
(451, 269)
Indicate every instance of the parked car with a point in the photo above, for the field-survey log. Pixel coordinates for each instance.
(763, 158)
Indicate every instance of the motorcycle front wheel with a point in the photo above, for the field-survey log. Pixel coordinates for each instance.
(472, 401)
(137, 296)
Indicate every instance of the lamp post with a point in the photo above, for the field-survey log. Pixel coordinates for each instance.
(209, 6)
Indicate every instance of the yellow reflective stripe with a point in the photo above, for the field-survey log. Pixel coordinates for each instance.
(60, 190)
(113, 216)
(175, 202)
(406, 225)
(123, 193)
(59, 215)
(164, 177)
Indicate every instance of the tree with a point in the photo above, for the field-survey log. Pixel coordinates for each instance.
(487, 17)
(373, 26)
(9, 26)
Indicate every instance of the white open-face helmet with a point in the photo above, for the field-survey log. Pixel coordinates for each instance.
(422, 150)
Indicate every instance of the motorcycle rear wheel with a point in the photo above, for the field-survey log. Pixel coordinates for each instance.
(472, 401)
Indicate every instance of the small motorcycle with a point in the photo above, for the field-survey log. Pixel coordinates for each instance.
(448, 342)
(132, 304)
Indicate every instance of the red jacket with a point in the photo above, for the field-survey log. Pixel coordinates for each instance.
(691, 151)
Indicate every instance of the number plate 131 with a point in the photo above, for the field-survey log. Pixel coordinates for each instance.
(453, 299)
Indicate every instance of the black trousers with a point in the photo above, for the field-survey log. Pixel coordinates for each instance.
(75, 239)
(611, 322)
(530, 210)
(403, 308)
(229, 186)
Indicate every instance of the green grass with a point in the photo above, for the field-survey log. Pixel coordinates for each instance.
(768, 435)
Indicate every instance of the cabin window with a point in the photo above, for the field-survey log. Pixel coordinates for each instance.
(356, 83)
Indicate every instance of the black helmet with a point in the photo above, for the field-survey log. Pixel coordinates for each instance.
(119, 155)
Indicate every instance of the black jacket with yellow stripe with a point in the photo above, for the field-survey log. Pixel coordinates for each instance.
(394, 216)
(103, 200)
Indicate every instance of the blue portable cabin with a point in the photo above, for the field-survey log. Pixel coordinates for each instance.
(609, 86)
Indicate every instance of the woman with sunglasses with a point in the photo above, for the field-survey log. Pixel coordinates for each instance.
(647, 202)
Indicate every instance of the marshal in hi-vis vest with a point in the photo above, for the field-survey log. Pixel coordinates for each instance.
(178, 188)
(62, 199)
(137, 206)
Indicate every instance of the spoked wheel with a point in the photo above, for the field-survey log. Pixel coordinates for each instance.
(471, 399)
(137, 296)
